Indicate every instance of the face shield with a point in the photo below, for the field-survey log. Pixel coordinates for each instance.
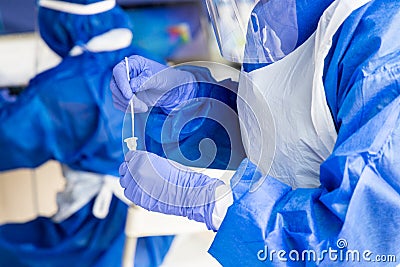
(254, 31)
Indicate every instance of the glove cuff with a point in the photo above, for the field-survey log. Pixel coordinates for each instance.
(209, 209)
(204, 213)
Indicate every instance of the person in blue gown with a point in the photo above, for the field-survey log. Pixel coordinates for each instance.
(356, 208)
(352, 206)
(66, 114)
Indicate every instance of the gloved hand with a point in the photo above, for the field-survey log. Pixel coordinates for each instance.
(167, 89)
(161, 185)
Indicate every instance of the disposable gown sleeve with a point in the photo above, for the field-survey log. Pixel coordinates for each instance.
(194, 112)
(24, 132)
(185, 133)
(357, 206)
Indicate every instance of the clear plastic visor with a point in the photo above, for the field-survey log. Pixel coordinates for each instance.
(254, 31)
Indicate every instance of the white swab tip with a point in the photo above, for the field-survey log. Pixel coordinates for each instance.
(131, 143)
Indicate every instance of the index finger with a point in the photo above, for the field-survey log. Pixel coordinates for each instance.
(121, 80)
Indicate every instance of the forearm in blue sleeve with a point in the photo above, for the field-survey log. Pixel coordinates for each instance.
(210, 91)
(185, 134)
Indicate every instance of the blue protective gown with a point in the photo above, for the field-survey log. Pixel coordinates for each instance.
(66, 114)
(177, 135)
(357, 206)
(80, 240)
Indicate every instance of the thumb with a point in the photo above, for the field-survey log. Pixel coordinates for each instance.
(146, 81)
(138, 105)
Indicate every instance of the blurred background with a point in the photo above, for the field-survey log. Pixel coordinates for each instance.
(174, 30)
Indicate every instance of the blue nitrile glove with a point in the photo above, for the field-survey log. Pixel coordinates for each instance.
(161, 185)
(167, 89)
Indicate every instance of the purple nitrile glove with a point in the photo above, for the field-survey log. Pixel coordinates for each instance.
(151, 84)
(161, 185)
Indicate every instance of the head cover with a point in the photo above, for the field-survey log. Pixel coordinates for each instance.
(66, 24)
(254, 31)
(79, 7)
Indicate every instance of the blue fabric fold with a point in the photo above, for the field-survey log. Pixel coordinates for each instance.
(211, 115)
(82, 239)
(357, 206)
